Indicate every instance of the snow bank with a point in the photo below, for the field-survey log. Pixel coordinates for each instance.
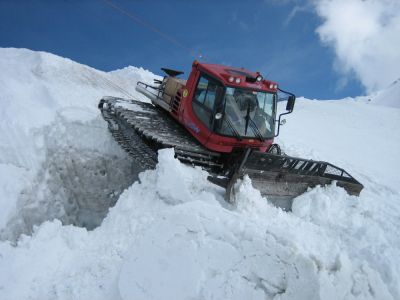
(53, 143)
(361, 138)
(159, 244)
(388, 97)
(35, 87)
(171, 234)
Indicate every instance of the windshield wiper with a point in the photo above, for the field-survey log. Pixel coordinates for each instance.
(256, 130)
(253, 125)
(233, 129)
(247, 117)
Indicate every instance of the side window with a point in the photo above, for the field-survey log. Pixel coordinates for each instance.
(204, 100)
(201, 90)
(210, 97)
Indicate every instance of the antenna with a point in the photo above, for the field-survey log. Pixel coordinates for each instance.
(152, 28)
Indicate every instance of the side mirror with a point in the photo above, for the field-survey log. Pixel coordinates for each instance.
(290, 103)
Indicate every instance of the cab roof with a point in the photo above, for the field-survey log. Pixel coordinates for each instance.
(246, 78)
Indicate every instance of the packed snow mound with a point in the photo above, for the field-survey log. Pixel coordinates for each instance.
(171, 234)
(36, 86)
(53, 141)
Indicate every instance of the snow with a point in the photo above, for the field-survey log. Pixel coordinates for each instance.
(361, 138)
(50, 124)
(170, 234)
(388, 97)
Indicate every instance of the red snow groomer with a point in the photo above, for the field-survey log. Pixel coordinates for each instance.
(223, 119)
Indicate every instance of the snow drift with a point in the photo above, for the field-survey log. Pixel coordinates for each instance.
(170, 235)
(388, 97)
(54, 144)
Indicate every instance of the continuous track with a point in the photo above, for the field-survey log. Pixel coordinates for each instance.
(142, 129)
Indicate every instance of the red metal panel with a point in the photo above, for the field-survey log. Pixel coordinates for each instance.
(224, 72)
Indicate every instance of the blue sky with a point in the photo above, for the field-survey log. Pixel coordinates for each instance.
(262, 36)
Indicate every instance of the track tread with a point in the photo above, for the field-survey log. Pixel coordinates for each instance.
(148, 125)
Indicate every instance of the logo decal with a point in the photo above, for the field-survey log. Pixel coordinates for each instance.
(192, 126)
(185, 93)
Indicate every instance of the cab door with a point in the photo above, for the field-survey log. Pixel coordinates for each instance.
(206, 97)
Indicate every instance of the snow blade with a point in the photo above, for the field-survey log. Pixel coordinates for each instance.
(282, 178)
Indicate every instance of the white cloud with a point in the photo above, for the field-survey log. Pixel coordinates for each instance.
(365, 35)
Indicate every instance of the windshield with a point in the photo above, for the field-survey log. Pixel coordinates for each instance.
(248, 113)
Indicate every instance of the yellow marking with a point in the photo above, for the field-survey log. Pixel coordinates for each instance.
(185, 93)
